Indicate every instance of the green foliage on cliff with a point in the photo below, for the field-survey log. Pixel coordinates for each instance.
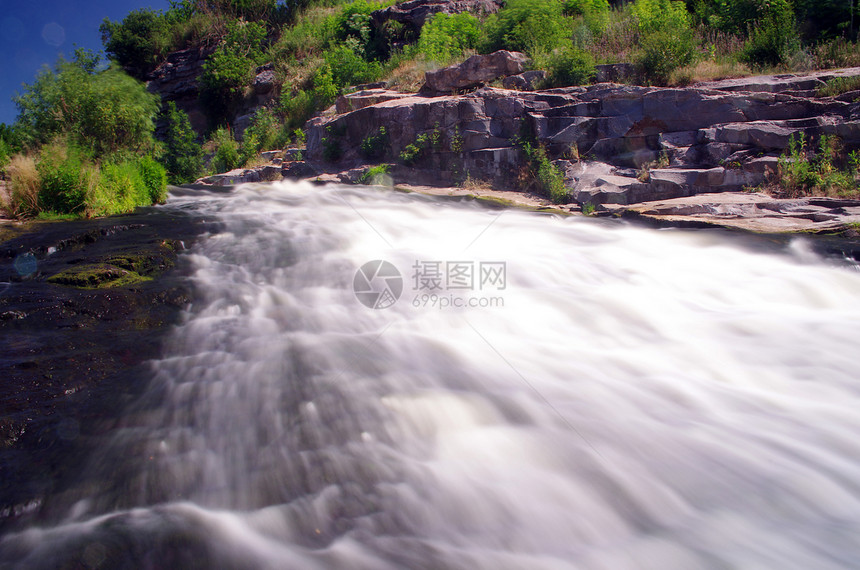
(530, 26)
(569, 66)
(446, 37)
(823, 169)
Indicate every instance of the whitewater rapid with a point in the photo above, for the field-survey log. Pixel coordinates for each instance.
(605, 397)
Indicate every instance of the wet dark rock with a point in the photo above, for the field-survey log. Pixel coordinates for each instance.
(75, 340)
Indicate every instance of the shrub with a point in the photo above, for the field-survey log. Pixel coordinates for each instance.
(595, 13)
(182, 157)
(569, 66)
(424, 143)
(353, 28)
(231, 67)
(664, 51)
(542, 172)
(297, 108)
(377, 175)
(774, 39)
(838, 86)
(446, 37)
(375, 145)
(264, 130)
(137, 43)
(154, 178)
(349, 68)
(64, 180)
(325, 90)
(828, 171)
(5, 154)
(227, 155)
(531, 26)
(104, 111)
(659, 15)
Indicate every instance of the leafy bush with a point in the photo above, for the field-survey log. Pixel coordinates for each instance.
(137, 43)
(375, 145)
(227, 156)
(353, 29)
(377, 175)
(838, 86)
(569, 66)
(542, 172)
(802, 172)
(231, 68)
(424, 143)
(297, 108)
(349, 68)
(325, 90)
(182, 157)
(154, 177)
(595, 13)
(531, 26)
(667, 40)
(446, 37)
(665, 51)
(105, 111)
(64, 182)
(263, 131)
(659, 15)
(5, 154)
(774, 38)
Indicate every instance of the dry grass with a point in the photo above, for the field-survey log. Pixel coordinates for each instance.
(709, 70)
(408, 76)
(24, 186)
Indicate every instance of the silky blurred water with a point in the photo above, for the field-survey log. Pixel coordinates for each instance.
(623, 398)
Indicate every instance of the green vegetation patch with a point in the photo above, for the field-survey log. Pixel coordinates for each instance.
(97, 276)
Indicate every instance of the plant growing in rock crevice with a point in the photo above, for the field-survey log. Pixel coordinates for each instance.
(828, 170)
(375, 145)
(542, 172)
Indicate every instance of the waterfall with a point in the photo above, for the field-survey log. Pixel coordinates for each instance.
(373, 379)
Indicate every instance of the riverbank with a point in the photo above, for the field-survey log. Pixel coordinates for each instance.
(83, 305)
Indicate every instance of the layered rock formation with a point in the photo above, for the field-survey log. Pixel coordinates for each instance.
(615, 143)
(177, 80)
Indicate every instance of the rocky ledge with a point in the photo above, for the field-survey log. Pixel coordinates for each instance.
(755, 212)
(83, 305)
(616, 145)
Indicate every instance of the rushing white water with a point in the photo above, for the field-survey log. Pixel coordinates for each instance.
(631, 398)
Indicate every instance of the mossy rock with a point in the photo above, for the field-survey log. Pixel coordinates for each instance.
(149, 261)
(97, 276)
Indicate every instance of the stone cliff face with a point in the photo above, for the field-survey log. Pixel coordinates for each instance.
(177, 80)
(615, 143)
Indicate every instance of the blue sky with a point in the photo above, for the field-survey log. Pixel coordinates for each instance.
(35, 32)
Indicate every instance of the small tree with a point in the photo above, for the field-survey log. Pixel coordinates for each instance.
(101, 110)
(183, 157)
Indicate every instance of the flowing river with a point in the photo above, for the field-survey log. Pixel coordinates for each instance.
(529, 392)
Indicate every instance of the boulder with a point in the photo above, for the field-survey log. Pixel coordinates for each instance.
(264, 80)
(526, 81)
(475, 71)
